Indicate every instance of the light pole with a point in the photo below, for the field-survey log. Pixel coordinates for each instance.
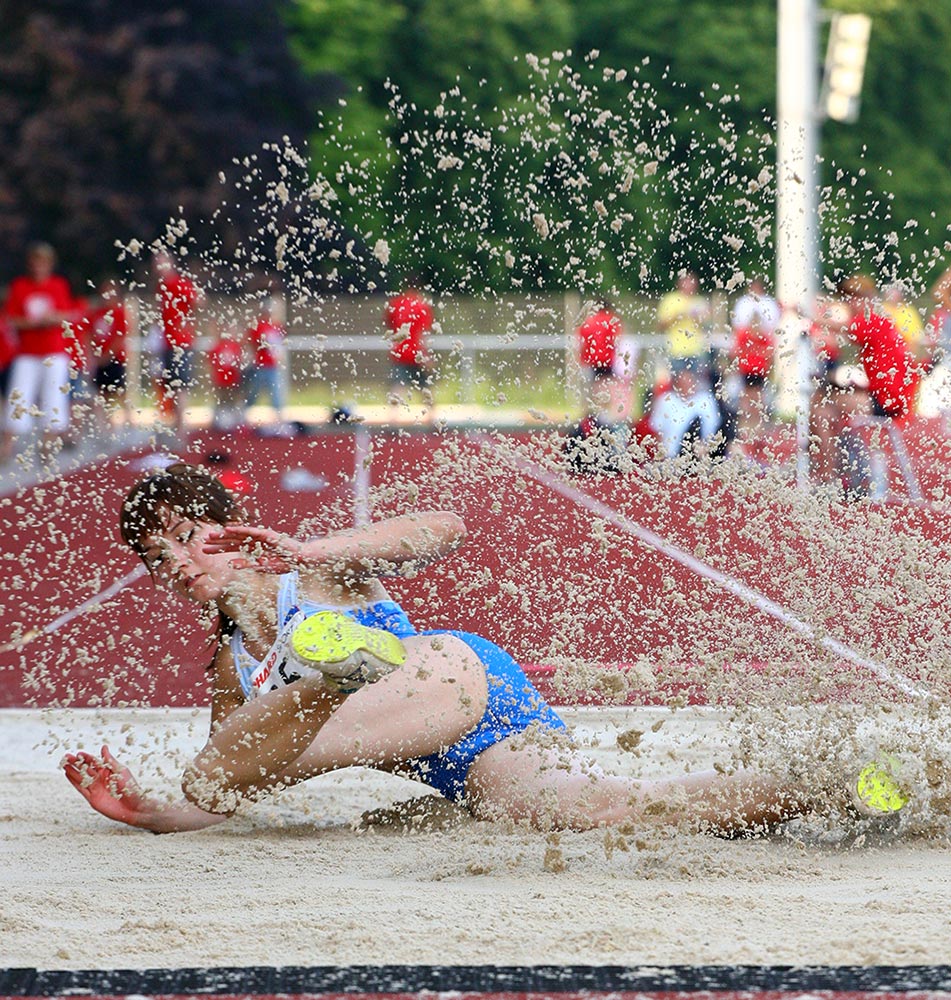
(798, 113)
(797, 265)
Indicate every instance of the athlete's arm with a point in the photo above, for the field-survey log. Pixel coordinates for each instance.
(226, 693)
(55, 318)
(397, 546)
(111, 790)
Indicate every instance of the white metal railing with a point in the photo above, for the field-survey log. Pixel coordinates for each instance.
(466, 348)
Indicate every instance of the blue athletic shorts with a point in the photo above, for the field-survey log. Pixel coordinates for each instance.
(513, 705)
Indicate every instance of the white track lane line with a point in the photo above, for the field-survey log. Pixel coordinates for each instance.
(67, 616)
(361, 476)
(361, 495)
(729, 583)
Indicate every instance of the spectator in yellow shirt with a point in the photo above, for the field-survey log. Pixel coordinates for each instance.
(681, 315)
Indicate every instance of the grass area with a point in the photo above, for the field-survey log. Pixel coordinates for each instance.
(545, 393)
(507, 380)
(543, 389)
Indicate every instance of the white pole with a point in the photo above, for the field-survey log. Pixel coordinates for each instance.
(796, 202)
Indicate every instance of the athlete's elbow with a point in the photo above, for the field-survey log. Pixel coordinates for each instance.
(455, 529)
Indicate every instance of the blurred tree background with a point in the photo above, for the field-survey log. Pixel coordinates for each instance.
(116, 116)
(528, 144)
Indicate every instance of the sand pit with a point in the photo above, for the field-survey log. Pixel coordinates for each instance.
(303, 879)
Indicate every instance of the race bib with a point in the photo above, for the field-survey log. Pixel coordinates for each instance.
(276, 669)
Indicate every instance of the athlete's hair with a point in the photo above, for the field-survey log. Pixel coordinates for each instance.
(184, 490)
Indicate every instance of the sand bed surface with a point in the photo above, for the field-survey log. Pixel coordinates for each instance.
(301, 880)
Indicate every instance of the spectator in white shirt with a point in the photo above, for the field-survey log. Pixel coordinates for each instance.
(756, 308)
(686, 419)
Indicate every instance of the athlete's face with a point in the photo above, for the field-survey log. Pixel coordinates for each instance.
(176, 558)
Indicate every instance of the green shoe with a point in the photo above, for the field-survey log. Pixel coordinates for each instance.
(347, 653)
(877, 790)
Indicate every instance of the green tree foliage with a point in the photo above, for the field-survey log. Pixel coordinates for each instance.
(414, 154)
(576, 168)
(711, 68)
(887, 176)
(646, 148)
(502, 144)
(116, 116)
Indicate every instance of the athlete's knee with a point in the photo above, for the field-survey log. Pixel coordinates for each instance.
(452, 648)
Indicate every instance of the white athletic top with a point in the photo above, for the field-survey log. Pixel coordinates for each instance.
(763, 309)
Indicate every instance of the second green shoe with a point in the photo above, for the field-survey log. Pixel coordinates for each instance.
(877, 790)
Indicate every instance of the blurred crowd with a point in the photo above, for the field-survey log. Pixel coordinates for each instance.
(711, 393)
(64, 357)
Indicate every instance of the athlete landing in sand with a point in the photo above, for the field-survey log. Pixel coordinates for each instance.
(450, 709)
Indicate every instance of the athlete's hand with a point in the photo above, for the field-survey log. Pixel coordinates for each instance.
(107, 786)
(258, 548)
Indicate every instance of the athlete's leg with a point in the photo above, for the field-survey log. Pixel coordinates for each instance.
(54, 402)
(432, 701)
(305, 729)
(275, 390)
(825, 425)
(540, 778)
(25, 376)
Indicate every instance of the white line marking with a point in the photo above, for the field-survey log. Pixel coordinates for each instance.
(91, 602)
(67, 616)
(361, 477)
(361, 515)
(729, 583)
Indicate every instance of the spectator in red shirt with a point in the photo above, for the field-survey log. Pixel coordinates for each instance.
(8, 347)
(265, 373)
(108, 327)
(885, 384)
(754, 321)
(39, 306)
(77, 347)
(598, 338)
(409, 318)
(753, 348)
(178, 299)
(827, 335)
(226, 364)
(893, 371)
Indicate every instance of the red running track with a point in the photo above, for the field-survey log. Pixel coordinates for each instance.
(697, 590)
